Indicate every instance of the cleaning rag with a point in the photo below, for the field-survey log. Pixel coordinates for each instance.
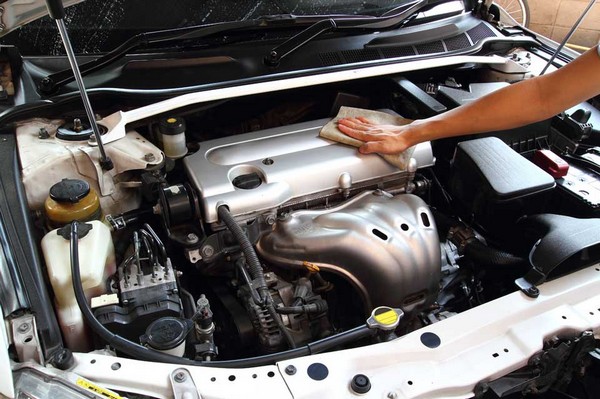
(330, 131)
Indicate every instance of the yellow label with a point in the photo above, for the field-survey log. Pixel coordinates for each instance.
(171, 120)
(386, 318)
(97, 389)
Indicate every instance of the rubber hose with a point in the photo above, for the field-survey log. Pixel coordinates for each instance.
(140, 352)
(315, 307)
(256, 270)
(483, 255)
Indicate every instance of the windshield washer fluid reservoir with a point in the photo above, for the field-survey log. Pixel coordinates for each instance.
(97, 263)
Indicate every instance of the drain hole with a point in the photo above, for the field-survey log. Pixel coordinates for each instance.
(425, 219)
(232, 378)
(380, 234)
(495, 355)
(404, 226)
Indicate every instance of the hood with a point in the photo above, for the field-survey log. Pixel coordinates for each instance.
(16, 13)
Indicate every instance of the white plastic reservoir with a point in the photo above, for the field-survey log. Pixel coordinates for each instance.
(96, 262)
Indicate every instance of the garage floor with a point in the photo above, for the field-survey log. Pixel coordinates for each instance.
(554, 18)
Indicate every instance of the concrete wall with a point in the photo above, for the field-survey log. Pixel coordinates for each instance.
(554, 18)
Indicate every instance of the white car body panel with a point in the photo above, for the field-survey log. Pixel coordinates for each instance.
(513, 327)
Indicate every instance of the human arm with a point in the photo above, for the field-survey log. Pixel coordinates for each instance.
(516, 105)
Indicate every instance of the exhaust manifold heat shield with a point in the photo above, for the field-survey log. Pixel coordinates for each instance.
(387, 247)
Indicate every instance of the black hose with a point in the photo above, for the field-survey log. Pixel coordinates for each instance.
(252, 260)
(255, 295)
(189, 305)
(256, 270)
(140, 352)
(486, 256)
(314, 307)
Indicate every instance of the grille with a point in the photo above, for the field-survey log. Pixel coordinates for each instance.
(393, 52)
(430, 48)
(480, 32)
(331, 58)
(457, 42)
(360, 55)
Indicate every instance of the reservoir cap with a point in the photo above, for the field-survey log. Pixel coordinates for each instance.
(69, 190)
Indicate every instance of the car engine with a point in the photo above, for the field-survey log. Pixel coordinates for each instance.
(233, 230)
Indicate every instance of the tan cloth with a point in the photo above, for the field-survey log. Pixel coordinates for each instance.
(330, 131)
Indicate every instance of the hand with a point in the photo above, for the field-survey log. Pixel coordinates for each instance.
(384, 139)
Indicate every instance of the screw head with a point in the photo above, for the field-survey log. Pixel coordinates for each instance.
(149, 157)
(392, 395)
(191, 238)
(180, 377)
(23, 328)
(290, 370)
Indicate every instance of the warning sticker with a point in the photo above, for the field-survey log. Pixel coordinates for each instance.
(97, 389)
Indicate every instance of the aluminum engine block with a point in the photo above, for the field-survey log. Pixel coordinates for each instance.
(264, 170)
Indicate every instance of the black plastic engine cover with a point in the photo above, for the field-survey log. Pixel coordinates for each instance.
(494, 185)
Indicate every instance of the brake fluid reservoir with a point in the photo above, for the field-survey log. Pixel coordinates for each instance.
(72, 199)
(96, 262)
(173, 137)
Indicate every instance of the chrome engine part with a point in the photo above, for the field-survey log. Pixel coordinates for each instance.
(386, 246)
(275, 168)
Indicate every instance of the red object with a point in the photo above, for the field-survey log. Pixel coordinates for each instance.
(551, 163)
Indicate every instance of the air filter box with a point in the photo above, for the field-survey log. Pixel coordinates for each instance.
(494, 185)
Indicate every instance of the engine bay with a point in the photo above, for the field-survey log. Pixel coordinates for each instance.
(231, 230)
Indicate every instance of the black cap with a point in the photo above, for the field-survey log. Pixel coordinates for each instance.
(172, 126)
(165, 333)
(360, 383)
(69, 190)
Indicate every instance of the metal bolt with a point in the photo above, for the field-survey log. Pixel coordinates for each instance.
(392, 395)
(191, 238)
(23, 328)
(270, 220)
(77, 126)
(43, 133)
(290, 370)
(207, 251)
(149, 157)
(92, 139)
(180, 377)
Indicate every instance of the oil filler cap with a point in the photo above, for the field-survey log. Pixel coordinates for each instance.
(69, 190)
(385, 318)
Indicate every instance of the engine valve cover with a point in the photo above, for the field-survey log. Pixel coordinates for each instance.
(386, 247)
(260, 171)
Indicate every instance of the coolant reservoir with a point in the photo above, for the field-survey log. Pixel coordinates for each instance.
(96, 262)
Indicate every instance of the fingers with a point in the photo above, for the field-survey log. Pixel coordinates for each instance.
(365, 120)
(353, 123)
(371, 147)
